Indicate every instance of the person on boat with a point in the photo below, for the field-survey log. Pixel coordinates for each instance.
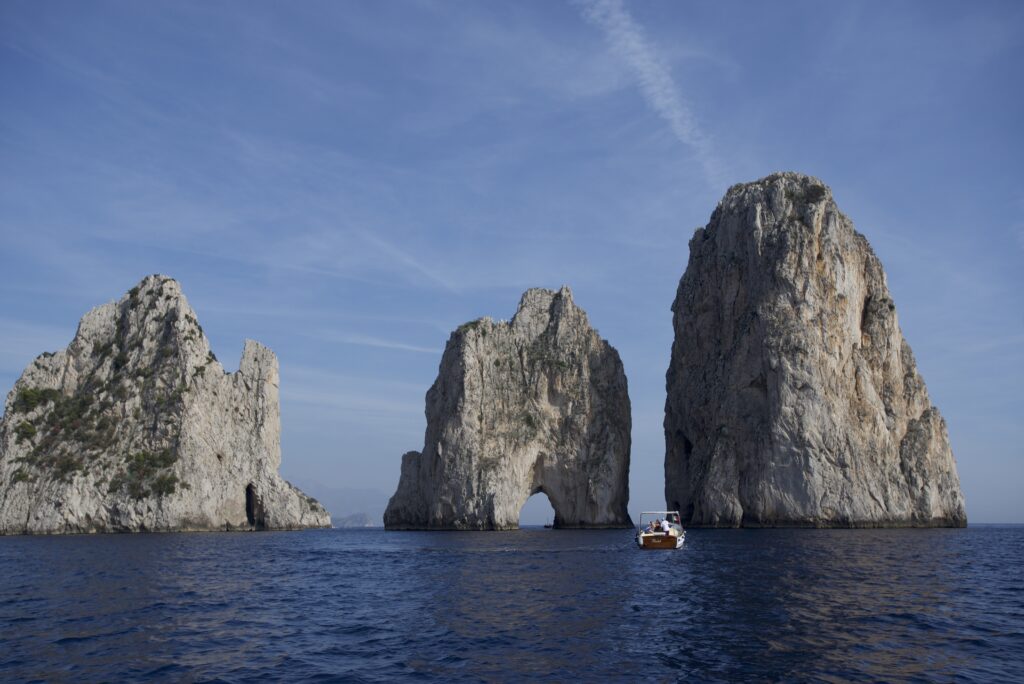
(666, 527)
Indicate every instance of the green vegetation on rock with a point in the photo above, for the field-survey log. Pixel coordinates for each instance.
(471, 325)
(142, 476)
(31, 397)
(25, 430)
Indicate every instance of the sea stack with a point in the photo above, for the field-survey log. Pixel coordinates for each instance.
(793, 399)
(538, 404)
(135, 426)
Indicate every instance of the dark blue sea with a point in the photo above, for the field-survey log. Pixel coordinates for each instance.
(370, 606)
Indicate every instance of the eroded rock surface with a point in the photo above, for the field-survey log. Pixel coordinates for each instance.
(538, 404)
(136, 426)
(793, 399)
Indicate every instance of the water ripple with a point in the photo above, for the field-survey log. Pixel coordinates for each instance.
(368, 606)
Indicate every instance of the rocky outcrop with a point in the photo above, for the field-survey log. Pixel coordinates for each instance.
(793, 399)
(135, 426)
(538, 404)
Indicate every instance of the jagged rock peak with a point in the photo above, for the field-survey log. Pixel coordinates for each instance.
(537, 404)
(793, 399)
(136, 426)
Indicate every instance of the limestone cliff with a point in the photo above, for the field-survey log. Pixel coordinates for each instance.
(135, 426)
(793, 399)
(538, 404)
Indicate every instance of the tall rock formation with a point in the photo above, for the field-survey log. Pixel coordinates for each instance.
(135, 426)
(538, 404)
(793, 399)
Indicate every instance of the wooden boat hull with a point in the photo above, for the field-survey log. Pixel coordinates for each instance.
(659, 541)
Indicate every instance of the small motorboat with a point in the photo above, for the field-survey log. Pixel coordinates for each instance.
(660, 530)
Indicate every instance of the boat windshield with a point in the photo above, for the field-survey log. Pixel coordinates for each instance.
(648, 517)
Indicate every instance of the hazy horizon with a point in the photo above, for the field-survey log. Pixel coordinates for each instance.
(347, 183)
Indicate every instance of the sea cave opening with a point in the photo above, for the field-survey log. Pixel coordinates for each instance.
(537, 511)
(254, 513)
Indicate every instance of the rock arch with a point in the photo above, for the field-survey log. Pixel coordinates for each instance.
(537, 508)
(539, 403)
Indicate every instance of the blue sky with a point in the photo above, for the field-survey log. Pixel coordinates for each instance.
(347, 182)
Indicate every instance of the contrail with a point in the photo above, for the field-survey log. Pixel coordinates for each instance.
(402, 257)
(365, 341)
(628, 43)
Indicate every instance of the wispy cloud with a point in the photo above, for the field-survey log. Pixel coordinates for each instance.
(630, 44)
(347, 393)
(403, 258)
(1012, 343)
(368, 341)
(350, 403)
